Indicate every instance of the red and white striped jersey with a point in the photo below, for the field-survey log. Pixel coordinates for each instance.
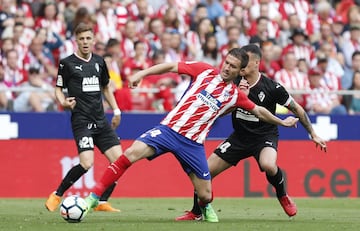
(301, 52)
(331, 81)
(319, 96)
(121, 15)
(55, 25)
(292, 80)
(106, 25)
(207, 97)
(301, 7)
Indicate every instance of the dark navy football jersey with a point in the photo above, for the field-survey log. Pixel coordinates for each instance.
(84, 80)
(267, 93)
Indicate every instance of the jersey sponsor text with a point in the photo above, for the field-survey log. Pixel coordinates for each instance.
(209, 100)
(245, 115)
(91, 84)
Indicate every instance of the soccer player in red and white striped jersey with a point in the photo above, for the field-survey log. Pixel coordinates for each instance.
(183, 131)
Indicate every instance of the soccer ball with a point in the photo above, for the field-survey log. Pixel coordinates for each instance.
(73, 209)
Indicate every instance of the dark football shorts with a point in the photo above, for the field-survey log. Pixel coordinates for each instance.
(87, 136)
(234, 148)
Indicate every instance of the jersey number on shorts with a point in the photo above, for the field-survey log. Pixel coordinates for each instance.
(224, 146)
(154, 133)
(86, 142)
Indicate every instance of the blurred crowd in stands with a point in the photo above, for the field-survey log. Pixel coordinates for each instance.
(312, 47)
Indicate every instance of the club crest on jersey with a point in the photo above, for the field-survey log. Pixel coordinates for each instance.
(226, 95)
(209, 100)
(261, 96)
(97, 67)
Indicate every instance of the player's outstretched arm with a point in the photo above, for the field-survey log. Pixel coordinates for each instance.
(158, 69)
(265, 115)
(305, 121)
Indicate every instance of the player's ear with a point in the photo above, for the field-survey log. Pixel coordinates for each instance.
(242, 72)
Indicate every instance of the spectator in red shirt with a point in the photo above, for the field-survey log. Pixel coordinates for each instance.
(3, 97)
(13, 76)
(139, 61)
(269, 63)
(233, 35)
(106, 26)
(338, 29)
(300, 46)
(267, 27)
(351, 44)
(140, 11)
(320, 99)
(301, 8)
(50, 19)
(330, 79)
(156, 28)
(290, 76)
(129, 37)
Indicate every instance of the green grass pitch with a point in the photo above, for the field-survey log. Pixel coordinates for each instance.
(158, 214)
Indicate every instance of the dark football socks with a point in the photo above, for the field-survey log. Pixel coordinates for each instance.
(112, 174)
(278, 182)
(71, 177)
(196, 208)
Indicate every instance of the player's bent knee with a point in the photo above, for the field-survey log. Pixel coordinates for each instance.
(133, 155)
(87, 165)
(138, 151)
(268, 167)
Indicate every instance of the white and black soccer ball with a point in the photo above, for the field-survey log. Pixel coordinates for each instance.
(73, 209)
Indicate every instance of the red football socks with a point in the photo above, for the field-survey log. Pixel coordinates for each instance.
(112, 174)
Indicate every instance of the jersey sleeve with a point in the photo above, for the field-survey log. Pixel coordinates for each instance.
(62, 75)
(244, 102)
(105, 77)
(193, 68)
(281, 96)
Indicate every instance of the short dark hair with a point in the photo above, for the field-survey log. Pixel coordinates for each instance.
(112, 42)
(261, 18)
(356, 53)
(200, 5)
(253, 49)
(241, 55)
(82, 27)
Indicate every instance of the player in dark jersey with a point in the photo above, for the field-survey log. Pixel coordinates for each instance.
(256, 138)
(85, 75)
